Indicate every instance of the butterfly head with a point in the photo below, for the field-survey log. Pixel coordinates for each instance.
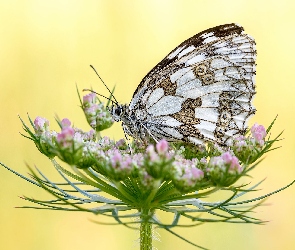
(118, 111)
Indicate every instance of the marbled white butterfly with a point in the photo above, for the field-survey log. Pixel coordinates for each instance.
(202, 91)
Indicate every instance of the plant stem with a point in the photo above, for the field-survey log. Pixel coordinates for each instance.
(146, 235)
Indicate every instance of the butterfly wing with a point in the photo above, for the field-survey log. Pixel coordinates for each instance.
(202, 91)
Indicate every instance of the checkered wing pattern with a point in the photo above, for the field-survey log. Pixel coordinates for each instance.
(202, 91)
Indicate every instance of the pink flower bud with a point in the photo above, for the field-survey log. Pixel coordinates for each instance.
(227, 157)
(235, 165)
(162, 147)
(258, 133)
(116, 158)
(120, 143)
(126, 163)
(66, 134)
(151, 153)
(197, 173)
(65, 123)
(41, 124)
(89, 99)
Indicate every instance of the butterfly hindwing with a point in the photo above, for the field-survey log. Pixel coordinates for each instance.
(202, 91)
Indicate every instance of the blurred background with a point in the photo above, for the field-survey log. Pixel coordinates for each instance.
(46, 48)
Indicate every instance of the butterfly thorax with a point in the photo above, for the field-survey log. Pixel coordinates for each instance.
(132, 125)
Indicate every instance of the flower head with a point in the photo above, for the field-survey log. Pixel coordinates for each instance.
(96, 114)
(162, 147)
(41, 125)
(89, 99)
(258, 133)
(65, 123)
(224, 170)
(155, 177)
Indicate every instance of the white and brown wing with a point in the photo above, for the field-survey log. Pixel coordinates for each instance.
(203, 90)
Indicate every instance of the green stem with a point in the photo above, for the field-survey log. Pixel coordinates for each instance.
(146, 235)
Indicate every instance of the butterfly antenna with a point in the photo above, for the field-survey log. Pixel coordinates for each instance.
(100, 95)
(104, 83)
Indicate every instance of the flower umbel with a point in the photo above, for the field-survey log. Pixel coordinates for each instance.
(169, 177)
(96, 113)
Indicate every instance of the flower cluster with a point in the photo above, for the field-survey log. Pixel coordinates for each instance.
(96, 113)
(169, 177)
(186, 175)
(259, 134)
(188, 167)
(246, 148)
(224, 170)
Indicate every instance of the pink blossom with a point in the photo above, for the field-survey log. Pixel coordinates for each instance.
(241, 144)
(138, 159)
(258, 133)
(93, 124)
(92, 110)
(240, 138)
(89, 99)
(65, 123)
(162, 147)
(66, 134)
(197, 173)
(90, 135)
(151, 153)
(105, 141)
(120, 143)
(235, 165)
(216, 161)
(127, 162)
(227, 157)
(78, 137)
(116, 158)
(41, 124)
(232, 161)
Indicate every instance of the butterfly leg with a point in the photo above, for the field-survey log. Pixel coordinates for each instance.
(125, 128)
(149, 133)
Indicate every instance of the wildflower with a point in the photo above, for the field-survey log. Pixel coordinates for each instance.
(65, 123)
(247, 149)
(43, 138)
(224, 170)
(69, 144)
(89, 99)
(121, 144)
(258, 133)
(185, 174)
(162, 147)
(152, 155)
(96, 113)
(41, 125)
(158, 163)
(172, 179)
(118, 166)
(65, 137)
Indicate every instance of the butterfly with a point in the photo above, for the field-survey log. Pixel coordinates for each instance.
(202, 91)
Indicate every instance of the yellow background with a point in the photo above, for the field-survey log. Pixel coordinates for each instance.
(46, 48)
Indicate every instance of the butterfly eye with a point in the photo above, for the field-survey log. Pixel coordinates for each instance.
(118, 111)
(201, 70)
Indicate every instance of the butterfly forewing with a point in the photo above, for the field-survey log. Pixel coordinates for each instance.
(202, 91)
